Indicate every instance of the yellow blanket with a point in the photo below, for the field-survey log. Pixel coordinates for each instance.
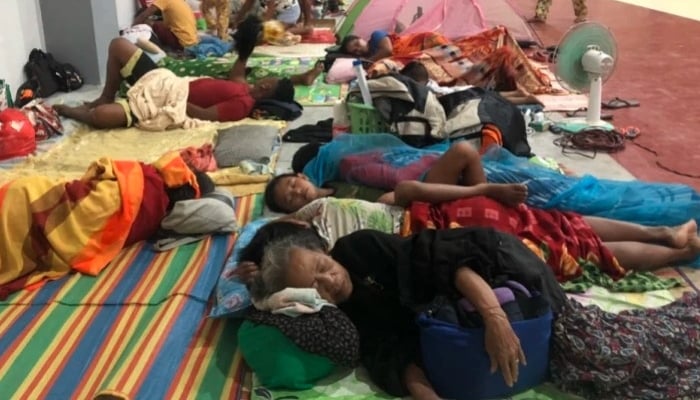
(48, 229)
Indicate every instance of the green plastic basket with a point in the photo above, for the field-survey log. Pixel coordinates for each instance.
(365, 119)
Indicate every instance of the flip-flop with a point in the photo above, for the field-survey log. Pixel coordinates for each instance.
(581, 113)
(620, 103)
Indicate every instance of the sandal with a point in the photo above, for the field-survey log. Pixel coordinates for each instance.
(617, 102)
(581, 113)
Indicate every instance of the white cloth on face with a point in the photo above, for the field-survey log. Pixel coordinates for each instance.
(159, 101)
(293, 302)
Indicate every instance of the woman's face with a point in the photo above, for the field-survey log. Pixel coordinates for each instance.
(294, 192)
(358, 47)
(313, 269)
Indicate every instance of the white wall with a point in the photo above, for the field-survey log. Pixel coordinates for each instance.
(125, 12)
(21, 32)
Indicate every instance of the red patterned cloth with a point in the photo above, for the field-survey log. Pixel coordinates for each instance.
(562, 239)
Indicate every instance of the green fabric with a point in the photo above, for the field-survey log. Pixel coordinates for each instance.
(349, 191)
(277, 361)
(319, 93)
(355, 385)
(351, 16)
(633, 282)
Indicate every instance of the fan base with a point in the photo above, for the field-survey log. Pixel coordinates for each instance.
(576, 125)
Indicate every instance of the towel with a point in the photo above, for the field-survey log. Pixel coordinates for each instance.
(293, 302)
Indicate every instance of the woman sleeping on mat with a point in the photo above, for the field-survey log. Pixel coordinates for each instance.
(370, 165)
(491, 59)
(381, 281)
(81, 225)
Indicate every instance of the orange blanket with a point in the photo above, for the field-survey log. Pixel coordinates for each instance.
(491, 59)
(48, 229)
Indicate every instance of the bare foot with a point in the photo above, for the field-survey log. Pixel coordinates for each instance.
(510, 194)
(681, 236)
(98, 102)
(310, 76)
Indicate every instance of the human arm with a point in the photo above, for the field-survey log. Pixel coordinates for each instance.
(206, 114)
(243, 12)
(143, 17)
(502, 345)
(270, 10)
(383, 47)
(237, 73)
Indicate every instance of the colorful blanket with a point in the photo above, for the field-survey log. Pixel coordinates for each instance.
(320, 93)
(491, 59)
(138, 331)
(78, 225)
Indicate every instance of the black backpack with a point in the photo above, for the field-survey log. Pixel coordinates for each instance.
(275, 109)
(38, 68)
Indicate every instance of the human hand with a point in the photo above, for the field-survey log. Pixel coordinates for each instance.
(245, 271)
(503, 346)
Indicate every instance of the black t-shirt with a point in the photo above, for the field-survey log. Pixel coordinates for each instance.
(395, 276)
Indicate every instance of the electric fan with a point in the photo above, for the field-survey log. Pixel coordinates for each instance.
(585, 59)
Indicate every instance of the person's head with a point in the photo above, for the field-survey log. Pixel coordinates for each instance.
(274, 89)
(275, 231)
(187, 192)
(354, 46)
(287, 193)
(295, 263)
(416, 71)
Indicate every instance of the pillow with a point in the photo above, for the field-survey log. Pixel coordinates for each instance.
(341, 71)
(232, 297)
(277, 361)
(245, 142)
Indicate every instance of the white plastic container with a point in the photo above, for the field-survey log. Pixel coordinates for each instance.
(341, 121)
(362, 82)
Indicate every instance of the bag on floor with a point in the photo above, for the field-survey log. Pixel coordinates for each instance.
(452, 345)
(27, 92)
(275, 109)
(38, 68)
(44, 119)
(67, 76)
(5, 95)
(17, 136)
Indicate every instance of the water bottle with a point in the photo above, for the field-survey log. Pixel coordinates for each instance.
(362, 82)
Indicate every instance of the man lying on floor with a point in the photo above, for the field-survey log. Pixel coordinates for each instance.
(149, 107)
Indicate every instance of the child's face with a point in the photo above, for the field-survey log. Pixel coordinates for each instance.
(294, 192)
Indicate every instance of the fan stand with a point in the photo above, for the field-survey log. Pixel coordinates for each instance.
(592, 120)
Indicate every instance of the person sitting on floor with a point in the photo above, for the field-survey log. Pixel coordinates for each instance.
(207, 99)
(178, 29)
(288, 12)
(459, 165)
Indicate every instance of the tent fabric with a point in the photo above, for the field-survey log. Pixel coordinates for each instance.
(452, 18)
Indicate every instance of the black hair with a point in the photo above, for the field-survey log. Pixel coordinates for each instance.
(187, 192)
(346, 42)
(274, 231)
(284, 91)
(269, 196)
(304, 155)
(416, 71)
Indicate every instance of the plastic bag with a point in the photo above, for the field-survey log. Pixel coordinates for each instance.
(17, 135)
(5, 95)
(44, 119)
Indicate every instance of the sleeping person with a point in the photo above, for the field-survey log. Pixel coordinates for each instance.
(81, 225)
(382, 44)
(459, 167)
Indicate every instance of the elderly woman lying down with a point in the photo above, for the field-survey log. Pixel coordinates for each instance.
(381, 281)
(81, 225)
